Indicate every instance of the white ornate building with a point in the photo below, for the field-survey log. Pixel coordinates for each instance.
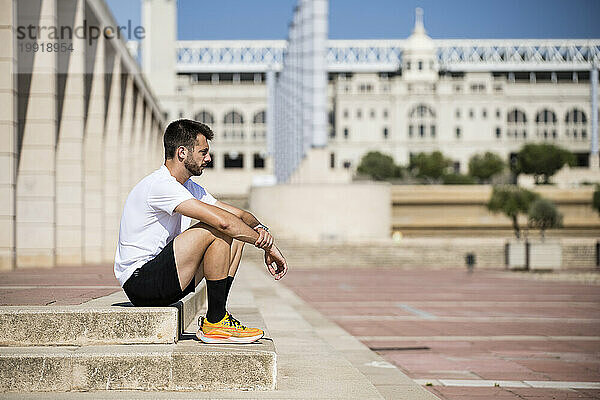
(400, 97)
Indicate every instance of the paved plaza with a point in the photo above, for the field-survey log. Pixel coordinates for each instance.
(459, 334)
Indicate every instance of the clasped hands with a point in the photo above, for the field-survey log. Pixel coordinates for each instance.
(272, 254)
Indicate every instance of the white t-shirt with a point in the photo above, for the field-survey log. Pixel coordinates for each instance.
(148, 222)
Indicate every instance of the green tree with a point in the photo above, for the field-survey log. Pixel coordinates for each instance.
(544, 215)
(429, 166)
(511, 201)
(484, 167)
(541, 160)
(596, 199)
(378, 166)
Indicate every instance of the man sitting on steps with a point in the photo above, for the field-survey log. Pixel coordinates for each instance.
(158, 261)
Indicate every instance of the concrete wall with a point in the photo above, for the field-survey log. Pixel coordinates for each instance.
(316, 212)
(68, 122)
(450, 210)
(437, 253)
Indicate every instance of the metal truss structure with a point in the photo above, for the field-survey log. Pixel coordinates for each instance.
(386, 55)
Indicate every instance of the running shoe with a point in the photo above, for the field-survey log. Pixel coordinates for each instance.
(228, 330)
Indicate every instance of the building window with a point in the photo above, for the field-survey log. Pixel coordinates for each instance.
(423, 117)
(576, 122)
(385, 133)
(516, 122)
(234, 160)
(457, 113)
(457, 133)
(259, 161)
(332, 160)
(545, 122)
(345, 113)
(484, 113)
(498, 133)
(410, 131)
(432, 130)
(347, 164)
(205, 117)
(359, 113)
(408, 65)
(259, 127)
(498, 115)
(346, 133)
(385, 114)
(420, 65)
(471, 113)
(372, 114)
(233, 125)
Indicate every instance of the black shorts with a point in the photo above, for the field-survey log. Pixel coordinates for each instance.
(156, 283)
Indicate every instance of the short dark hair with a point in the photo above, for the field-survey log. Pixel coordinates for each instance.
(183, 132)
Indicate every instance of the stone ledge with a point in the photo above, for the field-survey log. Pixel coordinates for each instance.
(107, 320)
(171, 367)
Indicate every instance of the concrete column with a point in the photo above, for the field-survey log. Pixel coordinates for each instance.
(69, 146)
(160, 149)
(594, 159)
(126, 146)
(35, 219)
(8, 133)
(159, 18)
(135, 156)
(148, 142)
(112, 168)
(93, 159)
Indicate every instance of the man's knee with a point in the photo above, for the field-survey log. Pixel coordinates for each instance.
(204, 232)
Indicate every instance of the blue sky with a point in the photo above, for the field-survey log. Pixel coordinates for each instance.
(383, 19)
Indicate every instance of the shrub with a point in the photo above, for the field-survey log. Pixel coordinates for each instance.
(484, 167)
(458, 179)
(431, 166)
(544, 215)
(511, 201)
(541, 160)
(378, 166)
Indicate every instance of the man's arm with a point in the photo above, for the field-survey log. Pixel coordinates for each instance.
(265, 240)
(232, 225)
(219, 218)
(245, 216)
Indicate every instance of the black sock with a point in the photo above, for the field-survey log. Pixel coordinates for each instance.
(229, 282)
(217, 296)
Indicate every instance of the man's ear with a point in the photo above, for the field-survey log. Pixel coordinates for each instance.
(181, 153)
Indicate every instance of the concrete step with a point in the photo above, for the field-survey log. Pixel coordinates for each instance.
(107, 320)
(188, 365)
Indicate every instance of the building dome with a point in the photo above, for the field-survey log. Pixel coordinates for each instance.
(419, 40)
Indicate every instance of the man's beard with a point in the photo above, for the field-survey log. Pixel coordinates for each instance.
(192, 167)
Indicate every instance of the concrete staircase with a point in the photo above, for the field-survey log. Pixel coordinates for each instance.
(107, 344)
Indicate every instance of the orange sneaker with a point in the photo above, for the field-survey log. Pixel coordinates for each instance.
(228, 330)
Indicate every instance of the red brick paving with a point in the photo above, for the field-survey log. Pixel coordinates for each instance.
(82, 283)
(346, 295)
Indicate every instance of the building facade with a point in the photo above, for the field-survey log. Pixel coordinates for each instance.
(402, 97)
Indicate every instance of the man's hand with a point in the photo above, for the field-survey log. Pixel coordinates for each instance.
(273, 255)
(265, 240)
